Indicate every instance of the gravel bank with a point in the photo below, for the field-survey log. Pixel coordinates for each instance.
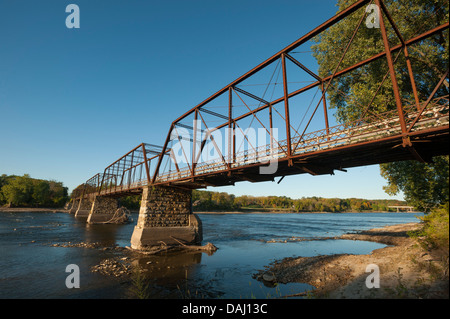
(406, 269)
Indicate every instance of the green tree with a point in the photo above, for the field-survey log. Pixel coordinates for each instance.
(41, 193)
(424, 185)
(58, 194)
(350, 92)
(29, 192)
(18, 191)
(4, 179)
(132, 201)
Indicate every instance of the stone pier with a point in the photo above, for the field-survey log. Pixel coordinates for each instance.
(103, 209)
(84, 206)
(74, 206)
(166, 216)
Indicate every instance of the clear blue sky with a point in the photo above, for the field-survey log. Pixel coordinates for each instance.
(74, 100)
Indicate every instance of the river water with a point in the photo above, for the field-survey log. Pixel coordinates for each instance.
(31, 267)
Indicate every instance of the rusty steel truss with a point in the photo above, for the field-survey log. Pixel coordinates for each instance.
(415, 129)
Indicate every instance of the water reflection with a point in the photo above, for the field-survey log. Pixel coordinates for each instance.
(104, 234)
(169, 268)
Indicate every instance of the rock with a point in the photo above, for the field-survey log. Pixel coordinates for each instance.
(268, 277)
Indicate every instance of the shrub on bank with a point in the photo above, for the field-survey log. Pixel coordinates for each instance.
(436, 227)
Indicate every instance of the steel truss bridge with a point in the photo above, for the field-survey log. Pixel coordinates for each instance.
(415, 127)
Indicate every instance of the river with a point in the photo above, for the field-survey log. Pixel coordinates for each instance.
(32, 267)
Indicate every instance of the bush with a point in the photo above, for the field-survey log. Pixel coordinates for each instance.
(435, 231)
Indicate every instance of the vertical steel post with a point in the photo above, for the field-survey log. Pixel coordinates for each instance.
(286, 109)
(147, 169)
(398, 100)
(411, 77)
(194, 144)
(230, 132)
(325, 111)
(234, 141)
(271, 127)
(116, 172)
(101, 184)
(158, 165)
(131, 165)
(405, 51)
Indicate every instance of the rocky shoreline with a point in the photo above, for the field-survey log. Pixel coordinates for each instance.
(407, 270)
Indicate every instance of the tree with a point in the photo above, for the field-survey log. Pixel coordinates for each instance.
(41, 193)
(58, 194)
(29, 192)
(356, 89)
(424, 185)
(18, 191)
(4, 179)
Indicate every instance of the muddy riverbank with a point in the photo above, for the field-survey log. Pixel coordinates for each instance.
(406, 269)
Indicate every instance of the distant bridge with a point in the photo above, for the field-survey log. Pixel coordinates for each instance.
(413, 129)
(399, 208)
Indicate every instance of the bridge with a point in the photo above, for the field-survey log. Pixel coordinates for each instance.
(243, 133)
(399, 208)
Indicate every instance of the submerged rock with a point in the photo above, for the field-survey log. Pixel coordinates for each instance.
(268, 277)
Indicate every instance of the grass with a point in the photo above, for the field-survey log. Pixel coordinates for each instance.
(140, 286)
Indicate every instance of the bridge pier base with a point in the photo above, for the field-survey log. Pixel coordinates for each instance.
(102, 209)
(166, 216)
(74, 206)
(84, 207)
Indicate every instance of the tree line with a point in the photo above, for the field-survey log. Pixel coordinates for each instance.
(215, 201)
(203, 201)
(24, 191)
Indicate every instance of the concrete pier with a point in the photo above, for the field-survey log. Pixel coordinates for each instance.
(74, 206)
(103, 209)
(84, 206)
(165, 216)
